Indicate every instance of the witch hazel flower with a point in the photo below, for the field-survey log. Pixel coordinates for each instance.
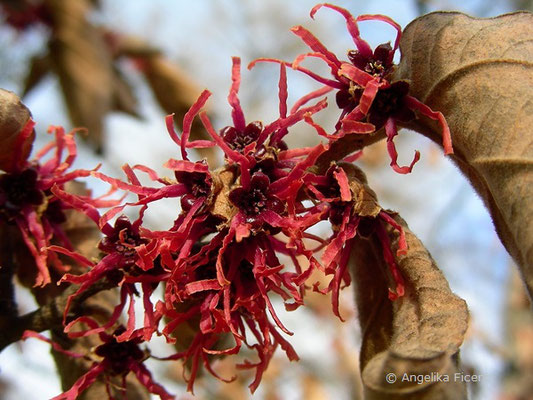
(112, 361)
(366, 92)
(221, 287)
(264, 174)
(239, 309)
(133, 255)
(125, 265)
(252, 146)
(27, 196)
(354, 212)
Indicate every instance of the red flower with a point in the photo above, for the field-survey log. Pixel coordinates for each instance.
(252, 270)
(246, 144)
(343, 194)
(256, 201)
(365, 93)
(23, 14)
(131, 258)
(27, 197)
(115, 359)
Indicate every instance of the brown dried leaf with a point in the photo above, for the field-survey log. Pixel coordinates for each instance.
(479, 74)
(39, 67)
(420, 333)
(81, 61)
(13, 117)
(518, 351)
(366, 200)
(223, 180)
(124, 99)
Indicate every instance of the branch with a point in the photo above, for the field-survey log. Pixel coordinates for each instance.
(344, 147)
(48, 316)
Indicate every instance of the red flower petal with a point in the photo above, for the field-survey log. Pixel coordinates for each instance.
(391, 131)
(384, 18)
(31, 334)
(315, 45)
(414, 104)
(342, 180)
(238, 116)
(18, 161)
(82, 383)
(310, 96)
(145, 378)
(363, 47)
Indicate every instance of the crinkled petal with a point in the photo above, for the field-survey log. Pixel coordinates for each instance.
(351, 23)
(313, 43)
(415, 104)
(310, 96)
(32, 334)
(18, 148)
(392, 131)
(237, 114)
(356, 75)
(342, 180)
(384, 18)
(145, 378)
(82, 383)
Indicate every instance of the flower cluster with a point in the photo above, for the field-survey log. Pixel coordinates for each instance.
(27, 199)
(23, 14)
(242, 236)
(365, 90)
(112, 359)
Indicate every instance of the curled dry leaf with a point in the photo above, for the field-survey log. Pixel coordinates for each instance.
(417, 334)
(479, 74)
(13, 117)
(124, 99)
(39, 68)
(83, 64)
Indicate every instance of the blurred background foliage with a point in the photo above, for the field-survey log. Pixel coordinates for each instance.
(118, 67)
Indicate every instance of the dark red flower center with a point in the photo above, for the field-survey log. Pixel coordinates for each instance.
(197, 183)
(336, 212)
(238, 140)
(19, 189)
(390, 102)
(22, 15)
(119, 356)
(379, 64)
(54, 212)
(123, 239)
(253, 200)
(349, 98)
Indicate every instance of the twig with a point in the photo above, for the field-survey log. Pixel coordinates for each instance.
(49, 316)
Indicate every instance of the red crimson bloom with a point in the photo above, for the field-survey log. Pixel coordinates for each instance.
(27, 196)
(22, 15)
(229, 279)
(366, 93)
(241, 236)
(253, 270)
(352, 205)
(112, 359)
(131, 257)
